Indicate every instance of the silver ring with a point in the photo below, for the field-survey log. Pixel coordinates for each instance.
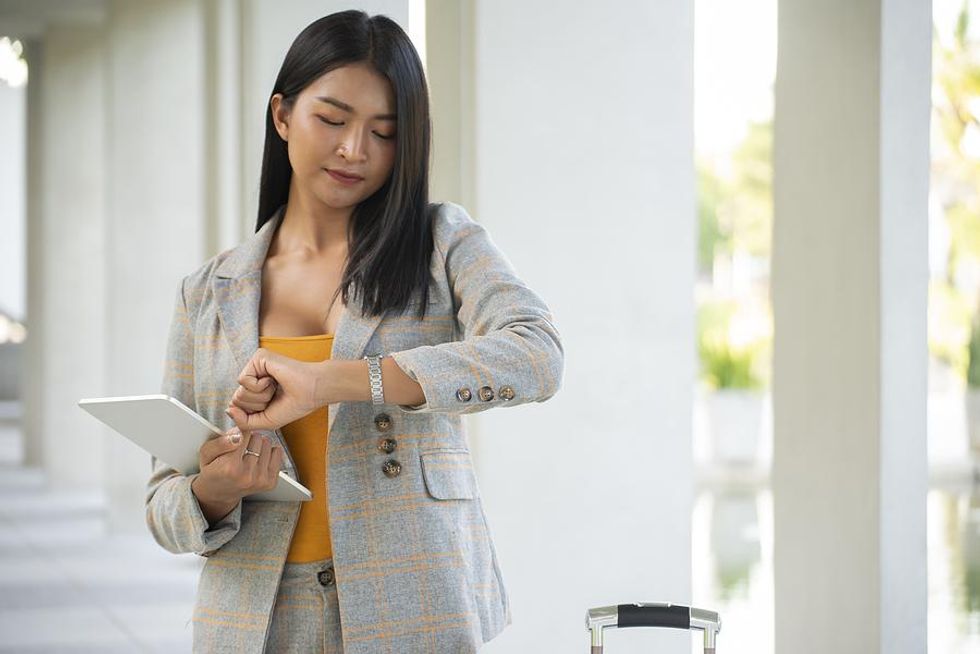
(248, 451)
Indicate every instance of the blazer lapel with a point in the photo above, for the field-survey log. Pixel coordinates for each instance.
(237, 290)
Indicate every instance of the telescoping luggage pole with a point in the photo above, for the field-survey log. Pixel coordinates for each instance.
(653, 614)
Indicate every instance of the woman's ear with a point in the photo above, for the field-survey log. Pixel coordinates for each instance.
(280, 116)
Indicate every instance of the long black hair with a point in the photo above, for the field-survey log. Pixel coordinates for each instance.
(390, 232)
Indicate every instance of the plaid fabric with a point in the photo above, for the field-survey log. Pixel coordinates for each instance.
(415, 565)
(306, 616)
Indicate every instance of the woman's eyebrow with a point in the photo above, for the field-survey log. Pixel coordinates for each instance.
(346, 107)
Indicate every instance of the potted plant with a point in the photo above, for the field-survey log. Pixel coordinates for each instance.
(730, 364)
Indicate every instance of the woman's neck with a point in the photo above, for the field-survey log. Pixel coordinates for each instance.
(311, 230)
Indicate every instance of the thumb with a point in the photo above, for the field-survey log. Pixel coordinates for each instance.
(248, 421)
(233, 438)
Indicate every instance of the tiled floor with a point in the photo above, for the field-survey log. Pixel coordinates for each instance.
(66, 586)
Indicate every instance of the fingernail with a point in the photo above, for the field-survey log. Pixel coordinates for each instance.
(235, 438)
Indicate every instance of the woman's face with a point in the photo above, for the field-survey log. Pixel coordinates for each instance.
(344, 121)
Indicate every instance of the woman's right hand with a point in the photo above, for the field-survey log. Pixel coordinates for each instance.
(229, 474)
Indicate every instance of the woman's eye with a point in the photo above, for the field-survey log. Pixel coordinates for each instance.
(330, 122)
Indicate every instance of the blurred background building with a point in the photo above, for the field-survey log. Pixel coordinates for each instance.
(757, 224)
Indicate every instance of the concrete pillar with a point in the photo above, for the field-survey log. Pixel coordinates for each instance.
(13, 105)
(849, 295)
(222, 94)
(32, 384)
(450, 39)
(66, 287)
(156, 141)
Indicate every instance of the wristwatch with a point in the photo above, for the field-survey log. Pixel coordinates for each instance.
(374, 374)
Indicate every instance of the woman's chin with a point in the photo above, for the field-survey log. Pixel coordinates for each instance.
(337, 199)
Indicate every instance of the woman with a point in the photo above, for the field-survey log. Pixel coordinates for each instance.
(394, 552)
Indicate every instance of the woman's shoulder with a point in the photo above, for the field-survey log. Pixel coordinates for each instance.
(197, 283)
(450, 223)
(447, 215)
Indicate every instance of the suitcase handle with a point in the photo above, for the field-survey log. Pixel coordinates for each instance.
(652, 614)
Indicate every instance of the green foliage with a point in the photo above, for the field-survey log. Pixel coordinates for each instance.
(735, 212)
(733, 581)
(724, 364)
(964, 225)
(710, 237)
(751, 210)
(973, 355)
(949, 314)
(956, 104)
(728, 367)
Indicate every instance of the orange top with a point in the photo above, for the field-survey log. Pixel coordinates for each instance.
(306, 439)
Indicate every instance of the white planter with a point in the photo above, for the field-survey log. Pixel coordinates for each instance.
(734, 425)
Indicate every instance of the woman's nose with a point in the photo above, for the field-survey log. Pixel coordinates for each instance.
(352, 147)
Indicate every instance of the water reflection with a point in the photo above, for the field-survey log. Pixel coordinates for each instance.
(732, 540)
(954, 569)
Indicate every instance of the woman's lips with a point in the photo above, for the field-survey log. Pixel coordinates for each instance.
(344, 179)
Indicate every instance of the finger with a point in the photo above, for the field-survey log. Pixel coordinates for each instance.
(276, 456)
(253, 384)
(251, 395)
(219, 445)
(262, 463)
(260, 444)
(251, 401)
(250, 421)
(256, 368)
(234, 455)
(249, 405)
(240, 417)
(275, 465)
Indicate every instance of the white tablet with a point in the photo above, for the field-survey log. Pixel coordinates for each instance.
(169, 430)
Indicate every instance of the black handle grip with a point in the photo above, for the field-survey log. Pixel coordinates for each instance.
(654, 615)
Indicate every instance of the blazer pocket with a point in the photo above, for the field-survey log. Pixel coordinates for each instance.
(448, 474)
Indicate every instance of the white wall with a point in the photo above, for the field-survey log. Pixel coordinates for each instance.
(585, 178)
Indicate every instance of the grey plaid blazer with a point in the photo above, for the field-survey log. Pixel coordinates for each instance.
(415, 565)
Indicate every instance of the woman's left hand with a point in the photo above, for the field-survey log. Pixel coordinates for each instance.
(274, 391)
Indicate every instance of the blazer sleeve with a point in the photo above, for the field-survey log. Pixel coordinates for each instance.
(509, 334)
(173, 513)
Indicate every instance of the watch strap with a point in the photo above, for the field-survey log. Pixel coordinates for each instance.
(374, 376)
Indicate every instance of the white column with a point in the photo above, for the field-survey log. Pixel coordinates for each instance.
(66, 289)
(585, 178)
(450, 74)
(13, 105)
(156, 119)
(223, 96)
(849, 295)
